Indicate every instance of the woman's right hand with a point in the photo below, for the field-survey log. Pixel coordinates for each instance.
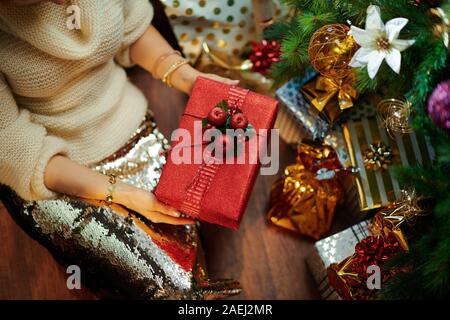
(66, 176)
(146, 204)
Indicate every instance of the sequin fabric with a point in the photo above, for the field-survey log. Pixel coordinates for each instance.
(136, 257)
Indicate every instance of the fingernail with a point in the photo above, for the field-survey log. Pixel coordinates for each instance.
(176, 214)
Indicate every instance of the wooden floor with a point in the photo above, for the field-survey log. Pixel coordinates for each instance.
(269, 263)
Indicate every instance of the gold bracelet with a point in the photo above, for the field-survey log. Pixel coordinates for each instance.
(161, 58)
(266, 23)
(172, 68)
(112, 186)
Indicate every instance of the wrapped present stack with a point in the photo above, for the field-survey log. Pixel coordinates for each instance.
(340, 264)
(384, 108)
(225, 26)
(225, 37)
(294, 120)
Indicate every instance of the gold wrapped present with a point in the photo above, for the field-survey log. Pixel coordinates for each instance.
(305, 198)
(330, 96)
(374, 152)
(294, 121)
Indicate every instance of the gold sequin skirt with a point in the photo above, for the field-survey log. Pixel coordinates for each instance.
(115, 246)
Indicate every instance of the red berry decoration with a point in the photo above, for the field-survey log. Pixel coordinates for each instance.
(263, 55)
(217, 116)
(239, 121)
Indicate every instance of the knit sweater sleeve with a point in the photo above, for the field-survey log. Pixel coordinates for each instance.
(25, 149)
(138, 15)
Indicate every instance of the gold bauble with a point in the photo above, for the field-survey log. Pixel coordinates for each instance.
(395, 116)
(330, 50)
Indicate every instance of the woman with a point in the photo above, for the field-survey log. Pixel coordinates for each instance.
(72, 124)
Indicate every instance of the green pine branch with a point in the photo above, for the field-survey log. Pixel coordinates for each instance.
(424, 65)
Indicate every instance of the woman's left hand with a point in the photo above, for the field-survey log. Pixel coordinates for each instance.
(218, 78)
(184, 78)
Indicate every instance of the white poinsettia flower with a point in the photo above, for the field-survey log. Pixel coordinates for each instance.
(379, 42)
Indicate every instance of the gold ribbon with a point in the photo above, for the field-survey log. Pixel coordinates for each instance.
(327, 88)
(378, 156)
(236, 64)
(345, 282)
(404, 210)
(233, 67)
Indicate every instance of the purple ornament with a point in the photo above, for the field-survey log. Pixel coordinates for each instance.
(439, 105)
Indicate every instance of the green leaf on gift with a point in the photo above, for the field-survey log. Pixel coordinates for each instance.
(227, 123)
(204, 123)
(223, 105)
(251, 130)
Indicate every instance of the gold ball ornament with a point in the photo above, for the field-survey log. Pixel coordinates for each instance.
(330, 50)
(395, 116)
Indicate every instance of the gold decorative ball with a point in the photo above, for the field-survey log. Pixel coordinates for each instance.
(395, 116)
(330, 50)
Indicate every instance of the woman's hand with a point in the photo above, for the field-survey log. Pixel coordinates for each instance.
(146, 204)
(151, 46)
(66, 176)
(184, 78)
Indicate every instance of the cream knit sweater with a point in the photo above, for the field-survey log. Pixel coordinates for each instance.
(62, 91)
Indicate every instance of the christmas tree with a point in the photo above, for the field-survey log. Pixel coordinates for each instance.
(400, 51)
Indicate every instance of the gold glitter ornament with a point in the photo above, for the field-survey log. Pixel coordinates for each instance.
(395, 115)
(378, 156)
(330, 50)
(393, 218)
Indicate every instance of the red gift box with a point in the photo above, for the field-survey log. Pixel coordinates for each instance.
(216, 193)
